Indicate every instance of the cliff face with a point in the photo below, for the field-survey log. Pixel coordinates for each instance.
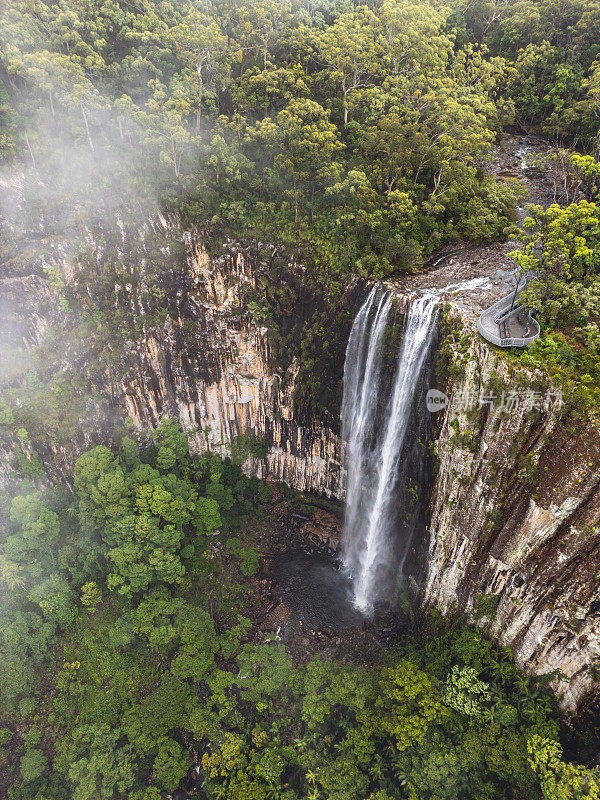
(516, 498)
(176, 337)
(515, 514)
(227, 383)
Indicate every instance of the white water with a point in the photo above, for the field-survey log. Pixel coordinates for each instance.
(374, 451)
(362, 373)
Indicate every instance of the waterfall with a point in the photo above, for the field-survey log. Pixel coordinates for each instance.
(375, 431)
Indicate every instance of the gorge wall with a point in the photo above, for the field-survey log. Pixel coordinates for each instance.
(229, 383)
(183, 343)
(514, 534)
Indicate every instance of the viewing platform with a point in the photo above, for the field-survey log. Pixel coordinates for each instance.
(507, 325)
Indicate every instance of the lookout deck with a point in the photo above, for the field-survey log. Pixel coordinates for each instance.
(505, 326)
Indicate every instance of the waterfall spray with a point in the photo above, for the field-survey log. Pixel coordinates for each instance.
(375, 443)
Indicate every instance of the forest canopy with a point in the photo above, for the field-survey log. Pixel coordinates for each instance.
(362, 130)
(125, 654)
(357, 135)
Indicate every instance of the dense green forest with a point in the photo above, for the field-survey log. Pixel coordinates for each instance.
(125, 650)
(358, 137)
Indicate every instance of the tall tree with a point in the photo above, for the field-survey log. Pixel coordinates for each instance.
(351, 50)
(200, 42)
(305, 144)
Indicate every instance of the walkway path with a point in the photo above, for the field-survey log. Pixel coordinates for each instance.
(508, 328)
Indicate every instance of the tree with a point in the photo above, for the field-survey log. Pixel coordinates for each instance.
(97, 767)
(405, 707)
(206, 515)
(593, 87)
(258, 24)
(305, 145)
(195, 656)
(56, 600)
(91, 596)
(464, 692)
(263, 89)
(199, 41)
(561, 245)
(33, 765)
(351, 49)
(63, 77)
(171, 764)
(560, 781)
(145, 553)
(264, 671)
(159, 712)
(410, 36)
(164, 120)
(33, 545)
(100, 485)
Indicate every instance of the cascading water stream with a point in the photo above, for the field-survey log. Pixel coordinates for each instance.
(362, 372)
(376, 440)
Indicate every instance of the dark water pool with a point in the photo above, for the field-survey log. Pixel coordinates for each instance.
(316, 589)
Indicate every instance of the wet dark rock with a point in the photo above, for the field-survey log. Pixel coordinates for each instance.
(313, 585)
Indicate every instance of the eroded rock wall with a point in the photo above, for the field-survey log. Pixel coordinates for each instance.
(185, 346)
(515, 514)
(227, 383)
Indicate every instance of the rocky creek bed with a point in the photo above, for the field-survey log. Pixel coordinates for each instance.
(302, 597)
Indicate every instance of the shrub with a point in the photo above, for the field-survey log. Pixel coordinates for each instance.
(33, 764)
(486, 605)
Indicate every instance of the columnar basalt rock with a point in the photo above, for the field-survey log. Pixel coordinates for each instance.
(212, 368)
(206, 363)
(515, 514)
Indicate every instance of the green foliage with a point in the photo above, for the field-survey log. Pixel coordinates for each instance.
(359, 132)
(551, 54)
(96, 767)
(149, 675)
(406, 706)
(247, 445)
(91, 596)
(28, 459)
(6, 414)
(560, 781)
(486, 606)
(33, 765)
(149, 678)
(249, 556)
(464, 692)
(170, 765)
(249, 561)
(560, 252)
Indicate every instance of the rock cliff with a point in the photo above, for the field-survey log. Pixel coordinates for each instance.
(228, 383)
(169, 330)
(177, 336)
(514, 536)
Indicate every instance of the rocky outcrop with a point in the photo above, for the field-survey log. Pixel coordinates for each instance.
(514, 535)
(185, 345)
(211, 366)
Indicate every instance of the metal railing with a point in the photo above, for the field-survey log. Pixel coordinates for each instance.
(499, 309)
